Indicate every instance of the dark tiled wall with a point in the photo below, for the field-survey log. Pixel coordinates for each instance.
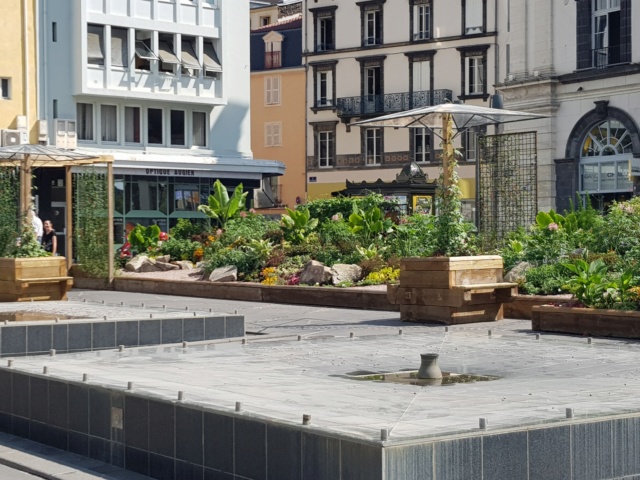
(169, 440)
(34, 339)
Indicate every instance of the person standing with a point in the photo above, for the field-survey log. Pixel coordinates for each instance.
(37, 226)
(49, 239)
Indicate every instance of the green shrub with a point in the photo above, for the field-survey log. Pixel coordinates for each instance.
(186, 228)
(338, 234)
(413, 237)
(546, 280)
(246, 262)
(179, 248)
(244, 230)
(324, 209)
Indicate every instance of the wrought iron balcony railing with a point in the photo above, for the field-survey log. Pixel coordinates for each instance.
(272, 60)
(394, 102)
(606, 56)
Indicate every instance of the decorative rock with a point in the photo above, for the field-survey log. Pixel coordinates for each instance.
(314, 273)
(166, 266)
(341, 272)
(136, 263)
(517, 273)
(184, 264)
(149, 266)
(224, 274)
(163, 259)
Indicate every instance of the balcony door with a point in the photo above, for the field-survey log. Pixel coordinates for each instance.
(372, 89)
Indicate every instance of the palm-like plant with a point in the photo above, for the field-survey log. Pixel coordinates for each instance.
(221, 207)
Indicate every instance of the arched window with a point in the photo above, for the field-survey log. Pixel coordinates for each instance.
(608, 138)
(605, 159)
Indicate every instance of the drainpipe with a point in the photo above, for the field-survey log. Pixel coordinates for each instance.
(25, 43)
(306, 101)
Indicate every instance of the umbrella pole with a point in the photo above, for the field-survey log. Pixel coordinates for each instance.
(25, 185)
(447, 149)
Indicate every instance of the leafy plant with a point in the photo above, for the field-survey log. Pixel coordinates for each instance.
(372, 251)
(9, 213)
(324, 209)
(91, 223)
(383, 276)
(28, 246)
(590, 284)
(368, 223)
(179, 248)
(185, 229)
(547, 279)
(144, 239)
(297, 224)
(221, 207)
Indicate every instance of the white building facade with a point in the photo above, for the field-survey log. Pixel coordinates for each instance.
(163, 86)
(576, 61)
(370, 58)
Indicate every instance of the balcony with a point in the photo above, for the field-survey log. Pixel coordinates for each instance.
(605, 57)
(272, 60)
(372, 105)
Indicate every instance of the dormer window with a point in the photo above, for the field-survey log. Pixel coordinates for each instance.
(273, 50)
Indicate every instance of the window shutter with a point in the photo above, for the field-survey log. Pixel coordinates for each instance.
(583, 26)
(267, 90)
(275, 90)
(473, 16)
(625, 30)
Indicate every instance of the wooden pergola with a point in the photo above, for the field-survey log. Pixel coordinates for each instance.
(29, 157)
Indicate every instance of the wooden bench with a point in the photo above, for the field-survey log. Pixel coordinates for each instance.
(44, 288)
(500, 292)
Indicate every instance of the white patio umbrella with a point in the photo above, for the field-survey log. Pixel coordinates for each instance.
(443, 119)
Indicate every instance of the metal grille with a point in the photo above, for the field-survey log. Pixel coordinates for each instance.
(507, 184)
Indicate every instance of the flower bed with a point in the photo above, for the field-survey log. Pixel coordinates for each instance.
(586, 321)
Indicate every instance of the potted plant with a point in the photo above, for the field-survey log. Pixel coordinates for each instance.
(27, 272)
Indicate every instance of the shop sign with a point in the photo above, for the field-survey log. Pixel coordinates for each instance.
(635, 167)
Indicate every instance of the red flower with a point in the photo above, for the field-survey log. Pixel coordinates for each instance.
(163, 237)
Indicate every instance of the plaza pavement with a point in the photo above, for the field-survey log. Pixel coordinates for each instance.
(295, 360)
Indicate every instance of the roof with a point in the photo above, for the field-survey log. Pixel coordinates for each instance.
(284, 23)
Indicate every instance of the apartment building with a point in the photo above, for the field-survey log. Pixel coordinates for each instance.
(278, 103)
(163, 87)
(375, 57)
(18, 74)
(575, 60)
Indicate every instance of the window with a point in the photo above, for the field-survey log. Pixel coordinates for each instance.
(324, 34)
(475, 75)
(272, 55)
(272, 134)
(189, 57)
(109, 123)
(325, 87)
(143, 50)
(155, 134)
(324, 84)
(474, 12)
(421, 145)
(176, 124)
(166, 53)
(4, 88)
(371, 23)
(325, 148)
(95, 44)
(421, 77)
(470, 143)
(119, 47)
(272, 90)
(199, 129)
(421, 11)
(604, 33)
(132, 124)
(54, 31)
(373, 146)
(212, 65)
(264, 21)
(55, 108)
(474, 72)
(84, 119)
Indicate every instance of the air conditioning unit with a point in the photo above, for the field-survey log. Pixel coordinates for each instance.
(21, 122)
(65, 133)
(43, 132)
(536, 73)
(511, 77)
(11, 138)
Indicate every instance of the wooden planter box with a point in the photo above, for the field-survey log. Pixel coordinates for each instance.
(586, 321)
(451, 290)
(41, 278)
